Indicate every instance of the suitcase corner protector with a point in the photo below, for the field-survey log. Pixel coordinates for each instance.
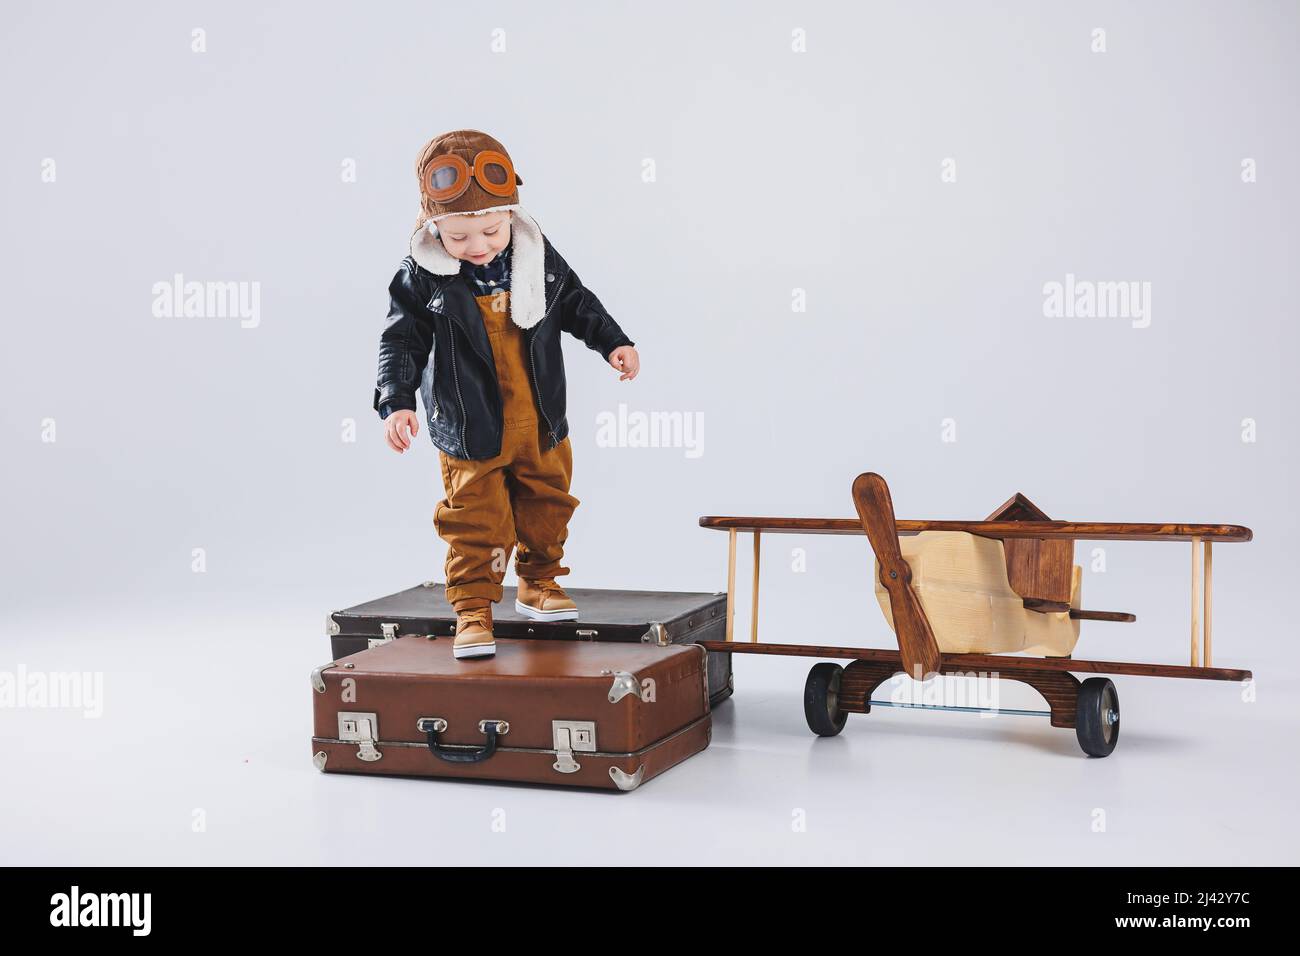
(627, 781)
(625, 684)
(317, 678)
(657, 634)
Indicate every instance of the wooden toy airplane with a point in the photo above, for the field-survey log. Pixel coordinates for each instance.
(962, 595)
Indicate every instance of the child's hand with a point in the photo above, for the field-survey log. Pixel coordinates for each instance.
(397, 425)
(624, 359)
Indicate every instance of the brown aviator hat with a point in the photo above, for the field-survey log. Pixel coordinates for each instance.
(462, 172)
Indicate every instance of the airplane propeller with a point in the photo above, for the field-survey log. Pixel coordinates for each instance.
(916, 644)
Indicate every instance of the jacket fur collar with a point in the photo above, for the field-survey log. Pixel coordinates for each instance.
(527, 265)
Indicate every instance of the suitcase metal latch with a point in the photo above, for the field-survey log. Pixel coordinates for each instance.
(389, 632)
(364, 730)
(570, 736)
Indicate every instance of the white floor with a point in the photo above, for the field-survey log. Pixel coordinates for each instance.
(202, 756)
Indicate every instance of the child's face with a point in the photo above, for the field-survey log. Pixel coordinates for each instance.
(476, 239)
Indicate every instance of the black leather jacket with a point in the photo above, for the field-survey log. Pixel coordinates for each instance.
(462, 402)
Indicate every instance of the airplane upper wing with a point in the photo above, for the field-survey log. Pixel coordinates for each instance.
(1089, 530)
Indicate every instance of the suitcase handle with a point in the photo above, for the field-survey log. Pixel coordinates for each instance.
(463, 753)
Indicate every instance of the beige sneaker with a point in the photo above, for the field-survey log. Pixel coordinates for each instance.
(544, 600)
(474, 634)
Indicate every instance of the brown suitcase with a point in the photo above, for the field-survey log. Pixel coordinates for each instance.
(574, 713)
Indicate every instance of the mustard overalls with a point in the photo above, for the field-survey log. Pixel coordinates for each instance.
(518, 500)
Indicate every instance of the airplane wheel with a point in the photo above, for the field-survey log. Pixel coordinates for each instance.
(1097, 723)
(821, 700)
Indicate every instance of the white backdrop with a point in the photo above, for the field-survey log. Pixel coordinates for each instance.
(828, 229)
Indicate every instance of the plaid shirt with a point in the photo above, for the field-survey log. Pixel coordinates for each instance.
(492, 276)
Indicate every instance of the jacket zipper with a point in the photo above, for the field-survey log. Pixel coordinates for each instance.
(455, 377)
(533, 363)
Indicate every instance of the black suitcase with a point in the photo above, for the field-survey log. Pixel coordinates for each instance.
(649, 617)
